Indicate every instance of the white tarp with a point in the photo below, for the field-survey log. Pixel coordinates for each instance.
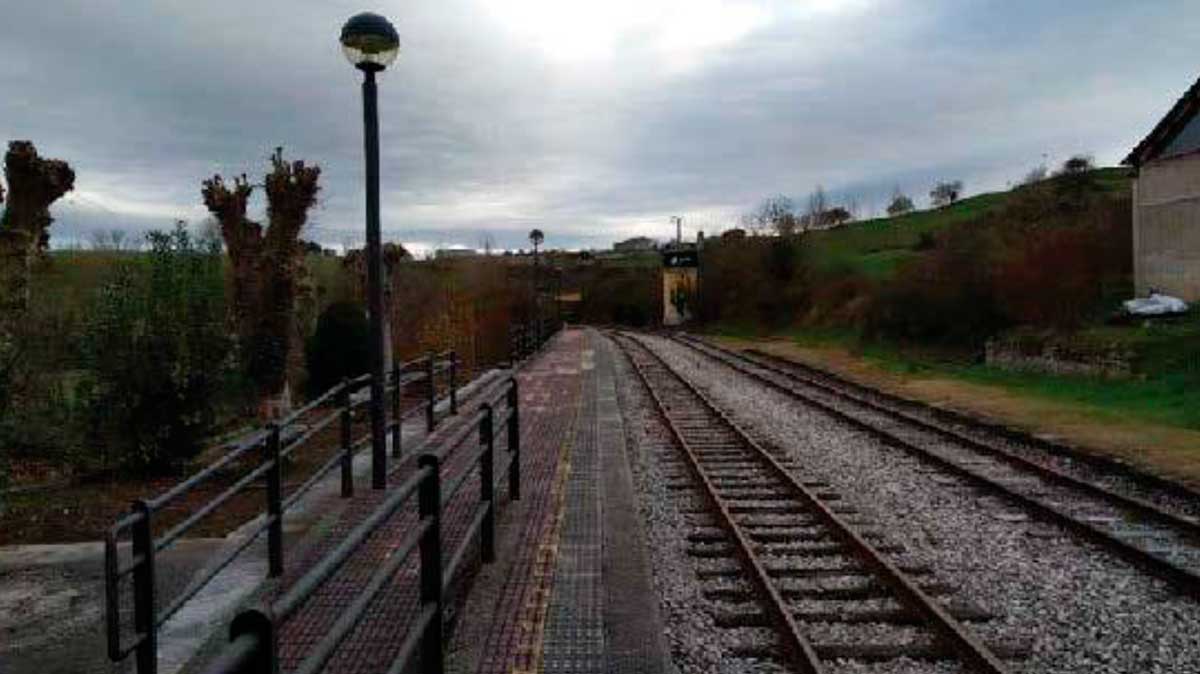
(1155, 305)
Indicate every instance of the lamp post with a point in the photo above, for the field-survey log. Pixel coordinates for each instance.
(536, 237)
(371, 43)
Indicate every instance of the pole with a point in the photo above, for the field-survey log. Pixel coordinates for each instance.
(274, 503)
(145, 617)
(374, 277)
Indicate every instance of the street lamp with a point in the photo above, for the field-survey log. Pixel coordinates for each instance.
(371, 43)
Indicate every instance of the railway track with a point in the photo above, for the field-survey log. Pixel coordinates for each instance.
(1163, 542)
(780, 552)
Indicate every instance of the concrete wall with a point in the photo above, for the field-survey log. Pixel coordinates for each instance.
(1166, 227)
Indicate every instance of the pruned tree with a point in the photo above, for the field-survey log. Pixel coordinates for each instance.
(945, 193)
(34, 184)
(266, 265)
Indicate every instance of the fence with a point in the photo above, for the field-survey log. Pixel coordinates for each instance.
(524, 339)
(253, 645)
(277, 442)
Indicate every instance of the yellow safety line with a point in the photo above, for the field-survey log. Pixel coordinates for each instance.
(533, 614)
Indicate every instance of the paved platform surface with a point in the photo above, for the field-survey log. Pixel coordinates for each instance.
(571, 591)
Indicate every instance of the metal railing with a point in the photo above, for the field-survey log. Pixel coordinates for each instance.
(253, 644)
(277, 442)
(525, 339)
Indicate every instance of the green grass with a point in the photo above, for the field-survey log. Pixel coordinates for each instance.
(1164, 396)
(1171, 400)
(884, 234)
(876, 248)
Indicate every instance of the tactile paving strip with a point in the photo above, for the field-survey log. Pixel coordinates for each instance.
(574, 635)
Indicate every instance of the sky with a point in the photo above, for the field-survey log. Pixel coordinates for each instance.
(593, 121)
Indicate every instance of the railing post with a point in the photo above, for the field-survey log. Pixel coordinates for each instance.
(453, 382)
(514, 441)
(274, 503)
(144, 618)
(258, 623)
(347, 440)
(431, 391)
(397, 420)
(429, 506)
(487, 483)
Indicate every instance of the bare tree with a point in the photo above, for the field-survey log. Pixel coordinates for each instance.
(945, 193)
(777, 213)
(487, 242)
(267, 265)
(109, 239)
(836, 216)
(818, 203)
(901, 203)
(1036, 175)
(1076, 165)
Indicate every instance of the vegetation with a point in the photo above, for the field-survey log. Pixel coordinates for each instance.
(157, 355)
(339, 348)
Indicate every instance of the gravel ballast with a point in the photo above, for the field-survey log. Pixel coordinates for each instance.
(1082, 609)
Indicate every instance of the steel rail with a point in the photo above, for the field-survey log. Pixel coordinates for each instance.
(972, 651)
(799, 648)
(1141, 506)
(1132, 472)
(1184, 580)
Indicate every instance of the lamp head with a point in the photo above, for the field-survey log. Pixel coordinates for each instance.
(369, 41)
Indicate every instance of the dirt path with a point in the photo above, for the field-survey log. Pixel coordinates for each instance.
(1171, 452)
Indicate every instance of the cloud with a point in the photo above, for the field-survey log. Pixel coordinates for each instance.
(591, 120)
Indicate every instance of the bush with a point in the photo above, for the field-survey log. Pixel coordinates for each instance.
(1062, 276)
(946, 299)
(158, 350)
(339, 348)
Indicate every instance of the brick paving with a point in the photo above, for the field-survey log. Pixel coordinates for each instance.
(572, 592)
(511, 641)
(549, 391)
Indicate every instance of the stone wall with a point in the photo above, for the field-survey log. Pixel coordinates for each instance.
(1026, 353)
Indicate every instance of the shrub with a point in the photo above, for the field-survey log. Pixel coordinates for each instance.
(946, 299)
(1061, 276)
(158, 353)
(339, 348)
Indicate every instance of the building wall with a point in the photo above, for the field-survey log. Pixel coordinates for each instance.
(1166, 227)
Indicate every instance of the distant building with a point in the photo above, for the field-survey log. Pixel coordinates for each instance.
(1166, 203)
(634, 245)
(454, 253)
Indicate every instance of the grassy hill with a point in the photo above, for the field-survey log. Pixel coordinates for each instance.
(877, 247)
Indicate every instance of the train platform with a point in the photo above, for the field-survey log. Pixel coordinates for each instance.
(571, 590)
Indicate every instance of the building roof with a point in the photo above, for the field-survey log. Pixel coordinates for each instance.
(1167, 129)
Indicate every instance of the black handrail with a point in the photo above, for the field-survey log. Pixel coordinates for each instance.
(276, 446)
(252, 645)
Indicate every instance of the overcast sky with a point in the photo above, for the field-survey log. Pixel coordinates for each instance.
(593, 121)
